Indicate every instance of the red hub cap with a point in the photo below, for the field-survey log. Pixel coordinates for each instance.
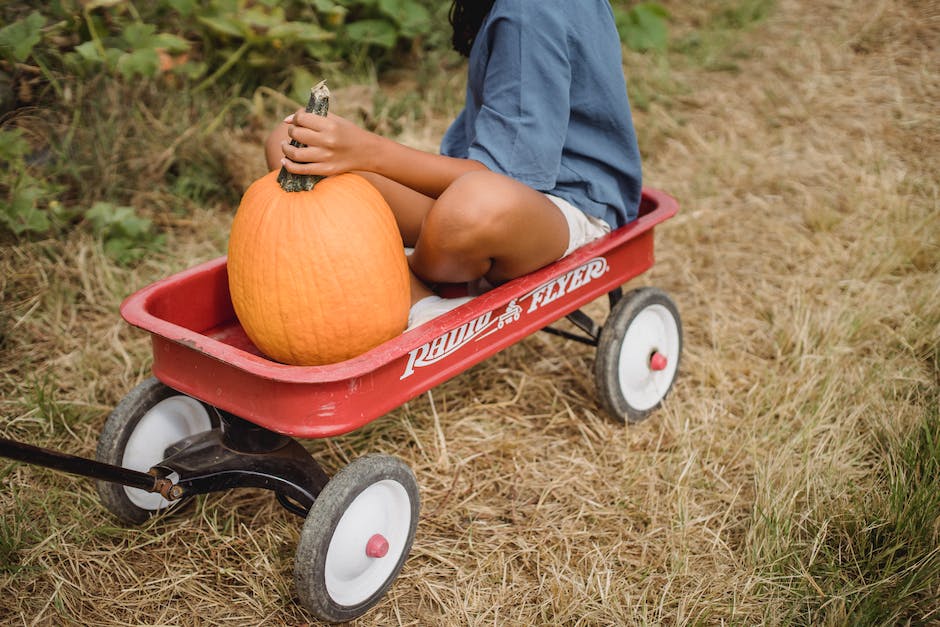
(658, 361)
(377, 546)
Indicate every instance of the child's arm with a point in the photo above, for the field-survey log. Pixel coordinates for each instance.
(334, 145)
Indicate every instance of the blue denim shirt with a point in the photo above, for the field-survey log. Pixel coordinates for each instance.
(547, 105)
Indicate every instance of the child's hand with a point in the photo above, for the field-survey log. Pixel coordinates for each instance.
(332, 145)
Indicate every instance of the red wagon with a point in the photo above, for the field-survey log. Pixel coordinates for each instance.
(218, 414)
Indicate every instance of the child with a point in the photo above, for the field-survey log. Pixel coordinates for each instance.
(542, 159)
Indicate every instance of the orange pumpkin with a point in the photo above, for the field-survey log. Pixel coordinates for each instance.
(320, 275)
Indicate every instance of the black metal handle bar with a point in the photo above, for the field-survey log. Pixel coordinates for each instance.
(84, 467)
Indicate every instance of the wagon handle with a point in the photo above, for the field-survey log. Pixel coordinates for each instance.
(92, 468)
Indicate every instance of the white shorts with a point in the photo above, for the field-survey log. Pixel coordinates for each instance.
(582, 228)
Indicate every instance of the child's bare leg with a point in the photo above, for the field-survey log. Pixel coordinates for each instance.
(487, 224)
(408, 206)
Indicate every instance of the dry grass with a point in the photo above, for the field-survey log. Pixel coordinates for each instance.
(806, 265)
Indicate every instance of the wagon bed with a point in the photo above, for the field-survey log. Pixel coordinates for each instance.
(201, 350)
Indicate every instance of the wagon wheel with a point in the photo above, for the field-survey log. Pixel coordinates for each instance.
(638, 354)
(137, 435)
(356, 537)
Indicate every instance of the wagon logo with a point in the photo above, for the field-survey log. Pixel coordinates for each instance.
(447, 344)
(482, 326)
(566, 283)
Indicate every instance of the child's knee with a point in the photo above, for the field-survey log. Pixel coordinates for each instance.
(474, 208)
(454, 235)
(454, 229)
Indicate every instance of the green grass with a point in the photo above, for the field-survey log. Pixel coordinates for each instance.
(14, 532)
(872, 557)
(715, 45)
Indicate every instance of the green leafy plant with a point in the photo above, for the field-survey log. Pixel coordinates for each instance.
(126, 236)
(25, 205)
(18, 39)
(138, 50)
(204, 41)
(643, 26)
(56, 55)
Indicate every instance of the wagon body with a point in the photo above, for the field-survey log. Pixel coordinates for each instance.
(218, 415)
(201, 350)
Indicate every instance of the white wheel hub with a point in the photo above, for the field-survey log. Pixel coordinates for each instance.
(368, 542)
(166, 423)
(649, 357)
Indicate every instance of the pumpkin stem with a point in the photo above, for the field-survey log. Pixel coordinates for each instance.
(319, 103)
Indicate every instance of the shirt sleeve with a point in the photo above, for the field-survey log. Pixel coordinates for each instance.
(454, 143)
(521, 127)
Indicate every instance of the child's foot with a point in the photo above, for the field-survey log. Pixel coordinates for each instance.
(431, 307)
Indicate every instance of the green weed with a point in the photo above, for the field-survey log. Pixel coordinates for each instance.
(204, 41)
(27, 202)
(714, 45)
(127, 237)
(16, 533)
(875, 559)
(643, 26)
(118, 106)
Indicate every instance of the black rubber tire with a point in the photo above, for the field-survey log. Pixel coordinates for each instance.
(113, 440)
(322, 521)
(609, 353)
